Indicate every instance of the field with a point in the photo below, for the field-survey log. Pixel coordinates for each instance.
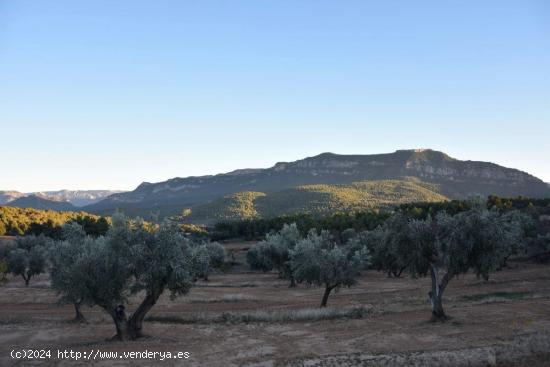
(246, 319)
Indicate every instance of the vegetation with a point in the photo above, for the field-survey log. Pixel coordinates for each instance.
(317, 200)
(133, 258)
(236, 206)
(274, 252)
(23, 221)
(28, 258)
(317, 260)
(4, 270)
(532, 205)
(475, 240)
(206, 256)
(335, 224)
(276, 316)
(66, 272)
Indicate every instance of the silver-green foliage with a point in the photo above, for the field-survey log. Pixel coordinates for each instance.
(28, 258)
(216, 253)
(131, 259)
(200, 260)
(391, 252)
(67, 273)
(476, 240)
(205, 256)
(318, 260)
(274, 252)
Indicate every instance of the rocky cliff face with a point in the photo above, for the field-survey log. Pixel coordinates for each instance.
(456, 179)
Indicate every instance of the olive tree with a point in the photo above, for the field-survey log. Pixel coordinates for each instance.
(130, 260)
(258, 257)
(217, 254)
(66, 276)
(3, 271)
(317, 260)
(519, 227)
(393, 243)
(361, 244)
(444, 247)
(274, 252)
(206, 256)
(28, 258)
(5, 248)
(540, 248)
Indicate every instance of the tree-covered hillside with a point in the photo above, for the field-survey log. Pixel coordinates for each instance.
(319, 200)
(20, 221)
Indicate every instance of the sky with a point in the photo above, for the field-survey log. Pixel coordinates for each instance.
(105, 95)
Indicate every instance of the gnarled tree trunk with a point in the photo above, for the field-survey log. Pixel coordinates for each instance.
(436, 294)
(136, 320)
(130, 328)
(328, 289)
(123, 332)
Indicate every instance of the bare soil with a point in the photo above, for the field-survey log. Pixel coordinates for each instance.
(504, 321)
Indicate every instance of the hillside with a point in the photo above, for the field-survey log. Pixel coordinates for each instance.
(321, 199)
(37, 202)
(19, 221)
(455, 179)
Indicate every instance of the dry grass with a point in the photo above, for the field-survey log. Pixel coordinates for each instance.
(276, 316)
(226, 298)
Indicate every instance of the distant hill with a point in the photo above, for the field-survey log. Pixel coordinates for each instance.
(37, 202)
(454, 179)
(78, 198)
(321, 199)
(9, 196)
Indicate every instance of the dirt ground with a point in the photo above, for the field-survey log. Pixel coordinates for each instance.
(504, 322)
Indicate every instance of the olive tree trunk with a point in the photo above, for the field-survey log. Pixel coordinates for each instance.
(137, 318)
(436, 294)
(328, 289)
(292, 282)
(130, 328)
(123, 332)
(79, 317)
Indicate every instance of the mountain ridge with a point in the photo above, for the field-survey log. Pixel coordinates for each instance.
(78, 198)
(456, 178)
(39, 202)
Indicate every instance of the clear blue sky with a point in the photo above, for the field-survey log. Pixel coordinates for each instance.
(107, 94)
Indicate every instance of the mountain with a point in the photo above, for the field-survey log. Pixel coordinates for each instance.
(37, 202)
(9, 196)
(78, 198)
(453, 178)
(320, 199)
